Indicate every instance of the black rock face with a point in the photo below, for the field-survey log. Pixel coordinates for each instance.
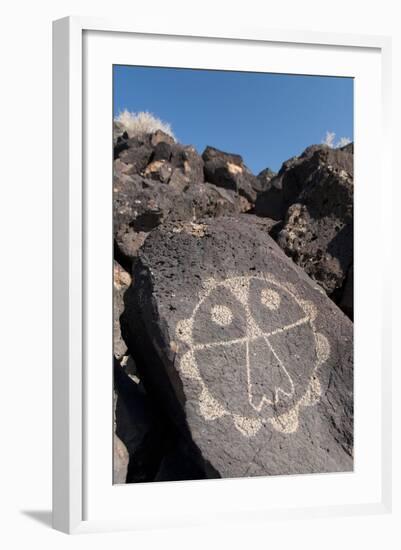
(135, 153)
(121, 281)
(346, 302)
(296, 174)
(229, 171)
(139, 427)
(158, 157)
(157, 179)
(243, 353)
(318, 228)
(313, 195)
(141, 204)
(263, 180)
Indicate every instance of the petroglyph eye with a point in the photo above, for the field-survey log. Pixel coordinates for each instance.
(279, 309)
(222, 315)
(270, 298)
(222, 311)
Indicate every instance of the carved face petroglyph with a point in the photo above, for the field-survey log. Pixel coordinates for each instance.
(254, 351)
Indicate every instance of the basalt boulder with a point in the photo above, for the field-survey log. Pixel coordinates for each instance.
(313, 196)
(269, 202)
(242, 351)
(121, 281)
(141, 204)
(263, 179)
(296, 174)
(159, 157)
(134, 152)
(318, 228)
(229, 171)
(175, 165)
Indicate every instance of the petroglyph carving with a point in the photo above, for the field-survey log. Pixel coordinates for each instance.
(221, 315)
(259, 324)
(270, 298)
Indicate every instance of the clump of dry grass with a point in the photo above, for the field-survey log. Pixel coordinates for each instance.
(143, 122)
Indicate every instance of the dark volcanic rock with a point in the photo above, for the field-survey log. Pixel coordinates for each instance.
(135, 153)
(229, 171)
(242, 352)
(178, 464)
(188, 162)
(160, 136)
(313, 194)
(139, 427)
(141, 204)
(120, 455)
(176, 165)
(120, 145)
(121, 281)
(296, 174)
(318, 228)
(263, 179)
(346, 302)
(269, 201)
(160, 158)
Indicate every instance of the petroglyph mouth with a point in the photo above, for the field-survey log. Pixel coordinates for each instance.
(258, 325)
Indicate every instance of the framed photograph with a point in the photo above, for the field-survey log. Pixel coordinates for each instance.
(220, 331)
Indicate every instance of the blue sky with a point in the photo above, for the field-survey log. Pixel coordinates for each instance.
(266, 118)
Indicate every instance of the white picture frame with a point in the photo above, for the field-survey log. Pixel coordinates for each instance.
(74, 437)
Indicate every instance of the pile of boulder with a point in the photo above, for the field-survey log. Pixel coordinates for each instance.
(233, 307)
(312, 196)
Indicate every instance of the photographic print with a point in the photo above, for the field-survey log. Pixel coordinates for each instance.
(232, 274)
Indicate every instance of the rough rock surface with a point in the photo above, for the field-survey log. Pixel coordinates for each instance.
(296, 174)
(313, 195)
(141, 204)
(347, 298)
(263, 179)
(269, 201)
(120, 455)
(159, 157)
(243, 353)
(318, 228)
(229, 171)
(147, 445)
(121, 281)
